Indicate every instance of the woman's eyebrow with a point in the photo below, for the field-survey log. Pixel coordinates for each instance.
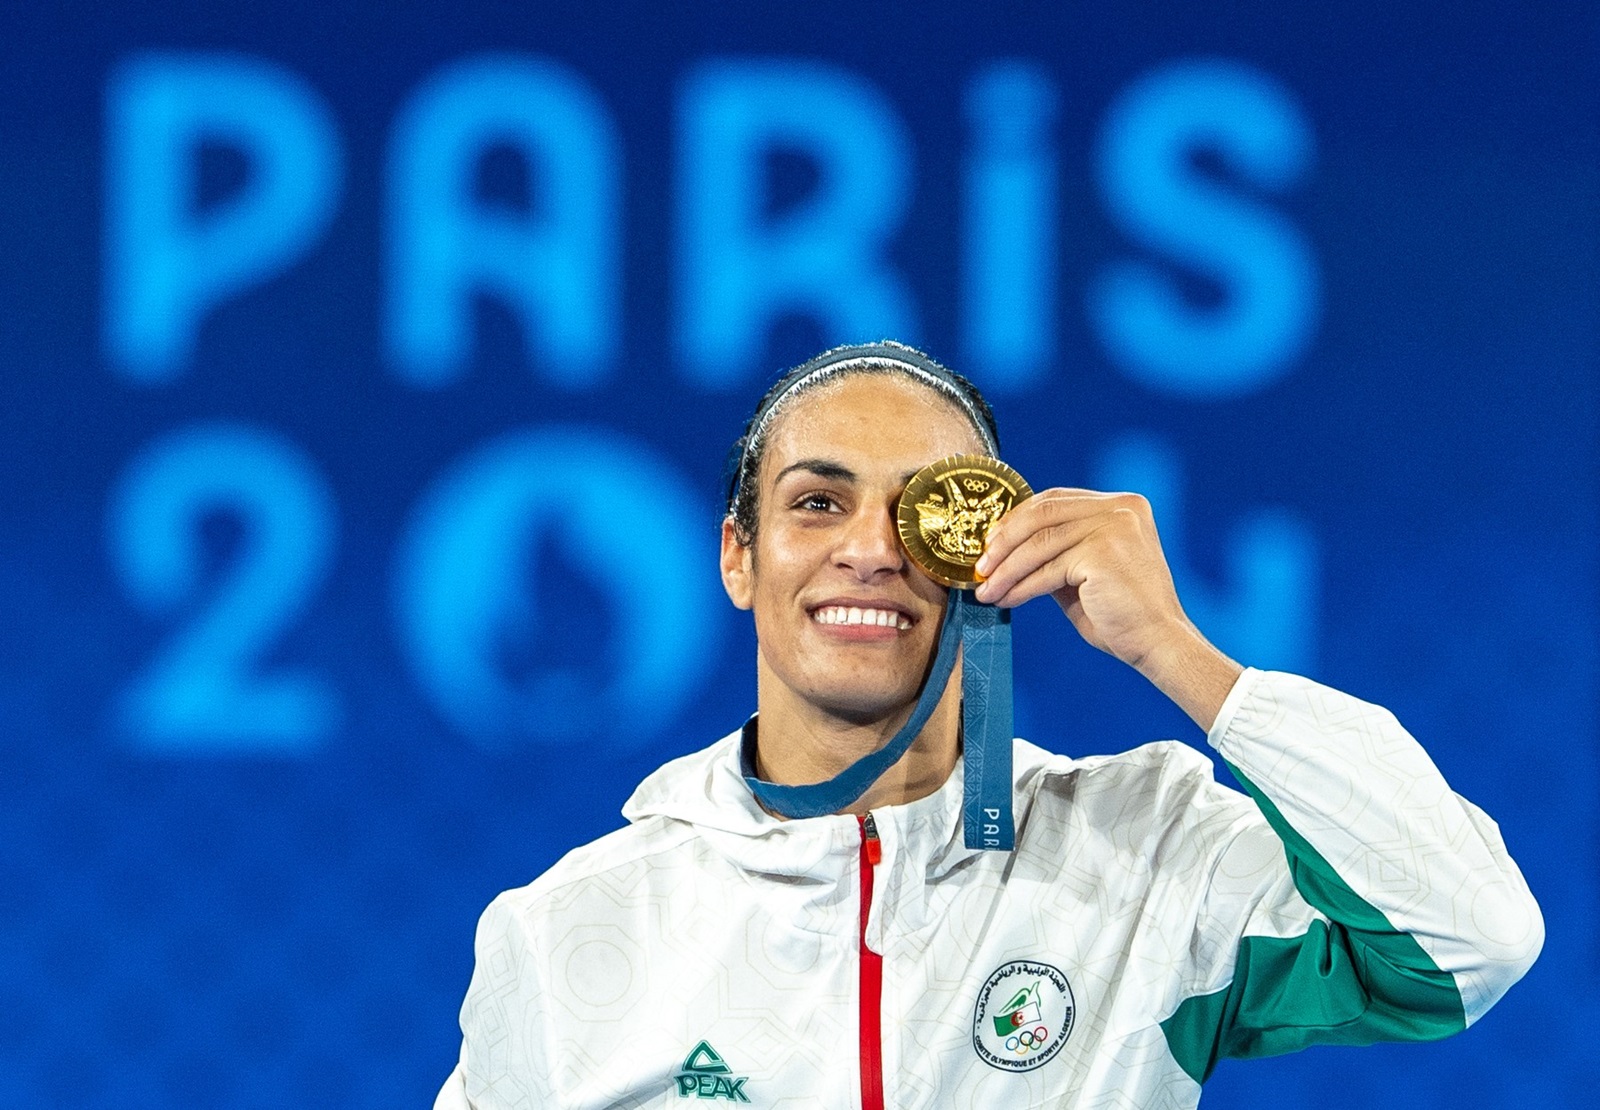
(822, 468)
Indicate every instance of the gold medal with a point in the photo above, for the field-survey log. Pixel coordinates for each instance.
(948, 509)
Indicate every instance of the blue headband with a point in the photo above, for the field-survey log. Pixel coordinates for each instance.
(886, 354)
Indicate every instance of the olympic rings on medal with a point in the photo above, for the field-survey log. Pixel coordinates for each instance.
(1026, 1041)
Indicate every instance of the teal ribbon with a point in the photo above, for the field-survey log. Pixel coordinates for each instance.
(982, 634)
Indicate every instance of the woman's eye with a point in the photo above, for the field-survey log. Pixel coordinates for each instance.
(816, 503)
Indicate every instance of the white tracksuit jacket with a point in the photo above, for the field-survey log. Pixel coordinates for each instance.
(1150, 923)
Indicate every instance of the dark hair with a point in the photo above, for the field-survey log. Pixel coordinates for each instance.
(886, 357)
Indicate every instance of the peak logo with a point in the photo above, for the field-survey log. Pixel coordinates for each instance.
(706, 1075)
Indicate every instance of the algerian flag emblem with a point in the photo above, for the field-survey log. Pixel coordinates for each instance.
(1021, 1012)
(1023, 1016)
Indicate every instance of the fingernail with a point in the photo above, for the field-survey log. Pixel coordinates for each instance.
(982, 566)
(982, 592)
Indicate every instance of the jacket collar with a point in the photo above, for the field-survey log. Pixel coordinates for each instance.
(707, 790)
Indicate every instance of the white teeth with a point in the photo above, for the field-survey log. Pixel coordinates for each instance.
(842, 614)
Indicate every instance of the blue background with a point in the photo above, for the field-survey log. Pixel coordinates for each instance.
(309, 645)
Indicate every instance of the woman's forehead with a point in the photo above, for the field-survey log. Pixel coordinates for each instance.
(870, 416)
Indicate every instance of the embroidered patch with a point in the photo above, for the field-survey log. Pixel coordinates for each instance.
(1023, 1016)
(705, 1074)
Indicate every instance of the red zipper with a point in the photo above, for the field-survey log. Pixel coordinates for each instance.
(871, 1023)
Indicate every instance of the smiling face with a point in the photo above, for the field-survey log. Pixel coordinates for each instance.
(846, 623)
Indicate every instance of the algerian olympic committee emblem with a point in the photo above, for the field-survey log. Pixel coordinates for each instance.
(1023, 1016)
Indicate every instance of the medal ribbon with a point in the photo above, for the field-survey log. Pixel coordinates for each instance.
(983, 634)
(986, 724)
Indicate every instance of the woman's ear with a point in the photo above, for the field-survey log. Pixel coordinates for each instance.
(737, 566)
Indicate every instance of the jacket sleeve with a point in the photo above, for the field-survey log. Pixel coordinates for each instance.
(1399, 916)
(503, 1053)
(453, 1095)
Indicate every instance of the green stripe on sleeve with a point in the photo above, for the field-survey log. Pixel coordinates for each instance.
(1354, 981)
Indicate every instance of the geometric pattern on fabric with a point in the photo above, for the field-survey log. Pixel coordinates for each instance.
(1164, 899)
